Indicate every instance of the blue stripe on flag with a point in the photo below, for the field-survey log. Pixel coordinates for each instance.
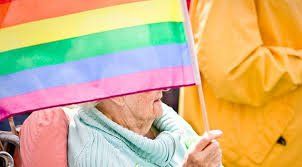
(96, 68)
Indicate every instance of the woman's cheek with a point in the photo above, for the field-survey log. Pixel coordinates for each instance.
(158, 107)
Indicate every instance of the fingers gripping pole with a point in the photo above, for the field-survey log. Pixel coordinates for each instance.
(189, 33)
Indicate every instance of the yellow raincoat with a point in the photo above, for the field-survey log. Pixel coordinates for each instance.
(250, 57)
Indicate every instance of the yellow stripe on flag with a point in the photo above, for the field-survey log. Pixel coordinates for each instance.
(88, 22)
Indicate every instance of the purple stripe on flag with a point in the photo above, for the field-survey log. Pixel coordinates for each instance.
(109, 87)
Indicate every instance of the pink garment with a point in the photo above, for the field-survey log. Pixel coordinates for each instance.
(43, 139)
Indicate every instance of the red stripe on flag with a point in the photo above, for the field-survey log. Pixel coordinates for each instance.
(5, 1)
(4, 6)
(22, 11)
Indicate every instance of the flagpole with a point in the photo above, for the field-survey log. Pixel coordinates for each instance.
(198, 81)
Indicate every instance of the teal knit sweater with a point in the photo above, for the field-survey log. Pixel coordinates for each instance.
(96, 141)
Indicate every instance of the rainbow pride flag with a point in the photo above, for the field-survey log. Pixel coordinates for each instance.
(63, 52)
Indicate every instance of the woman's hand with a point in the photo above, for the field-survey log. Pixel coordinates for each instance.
(206, 152)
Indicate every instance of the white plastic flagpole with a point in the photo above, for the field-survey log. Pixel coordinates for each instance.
(189, 33)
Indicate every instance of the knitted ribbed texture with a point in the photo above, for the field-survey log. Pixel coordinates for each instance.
(95, 140)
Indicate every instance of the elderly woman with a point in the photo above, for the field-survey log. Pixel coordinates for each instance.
(137, 130)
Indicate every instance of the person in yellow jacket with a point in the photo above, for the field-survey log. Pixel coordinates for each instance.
(250, 57)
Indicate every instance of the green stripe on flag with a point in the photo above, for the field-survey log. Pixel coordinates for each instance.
(91, 45)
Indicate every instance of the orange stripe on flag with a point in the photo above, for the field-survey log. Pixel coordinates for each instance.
(21, 11)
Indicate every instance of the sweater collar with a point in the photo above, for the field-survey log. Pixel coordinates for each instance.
(159, 151)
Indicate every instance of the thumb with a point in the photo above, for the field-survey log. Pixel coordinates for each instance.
(214, 134)
(206, 139)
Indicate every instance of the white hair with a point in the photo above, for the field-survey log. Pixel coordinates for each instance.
(85, 105)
